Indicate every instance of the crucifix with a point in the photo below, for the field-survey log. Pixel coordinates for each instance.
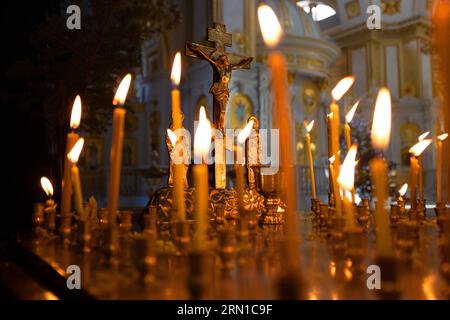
(223, 63)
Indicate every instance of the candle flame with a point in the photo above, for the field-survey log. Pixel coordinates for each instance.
(74, 154)
(332, 159)
(342, 87)
(76, 113)
(424, 135)
(346, 177)
(202, 138)
(403, 190)
(122, 91)
(270, 26)
(310, 126)
(47, 186)
(357, 199)
(442, 137)
(420, 147)
(243, 135)
(175, 76)
(381, 125)
(351, 113)
(172, 136)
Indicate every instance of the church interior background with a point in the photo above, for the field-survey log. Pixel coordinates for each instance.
(322, 45)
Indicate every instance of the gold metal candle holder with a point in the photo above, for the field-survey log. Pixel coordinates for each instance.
(38, 219)
(226, 248)
(323, 216)
(85, 236)
(150, 219)
(363, 216)
(182, 237)
(394, 216)
(421, 209)
(126, 223)
(275, 207)
(50, 215)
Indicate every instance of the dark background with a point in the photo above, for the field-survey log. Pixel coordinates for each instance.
(24, 144)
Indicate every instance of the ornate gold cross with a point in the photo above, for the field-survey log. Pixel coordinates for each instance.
(223, 63)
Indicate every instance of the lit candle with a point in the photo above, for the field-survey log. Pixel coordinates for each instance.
(348, 119)
(311, 165)
(421, 138)
(73, 156)
(115, 162)
(66, 186)
(50, 206)
(439, 142)
(47, 187)
(176, 104)
(272, 33)
(402, 192)
(330, 150)
(337, 93)
(242, 136)
(178, 165)
(335, 187)
(346, 180)
(415, 152)
(202, 142)
(178, 177)
(381, 131)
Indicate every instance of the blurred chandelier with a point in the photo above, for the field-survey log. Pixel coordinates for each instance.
(317, 9)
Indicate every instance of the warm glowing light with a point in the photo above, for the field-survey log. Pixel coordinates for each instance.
(122, 91)
(47, 186)
(424, 135)
(175, 76)
(342, 87)
(442, 137)
(310, 126)
(50, 296)
(313, 295)
(420, 147)
(357, 199)
(332, 268)
(280, 209)
(76, 113)
(172, 137)
(403, 190)
(351, 113)
(243, 135)
(270, 26)
(202, 138)
(428, 287)
(348, 274)
(381, 125)
(332, 159)
(346, 177)
(74, 154)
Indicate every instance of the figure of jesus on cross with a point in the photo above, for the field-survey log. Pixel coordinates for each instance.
(223, 63)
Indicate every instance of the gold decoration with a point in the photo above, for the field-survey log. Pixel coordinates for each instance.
(226, 197)
(352, 9)
(391, 7)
